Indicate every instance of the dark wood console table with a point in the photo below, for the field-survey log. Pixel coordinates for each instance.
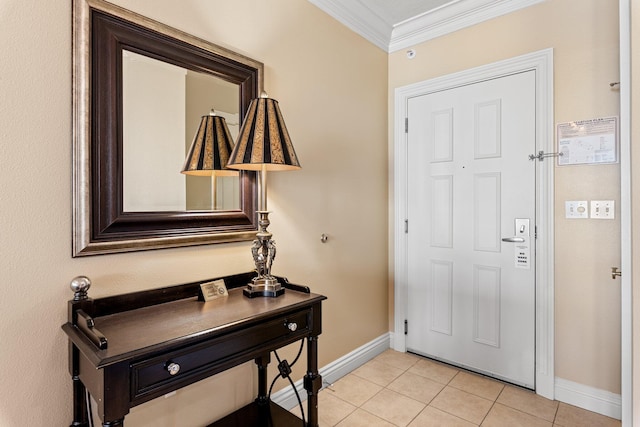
(128, 349)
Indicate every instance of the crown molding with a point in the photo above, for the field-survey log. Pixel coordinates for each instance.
(450, 18)
(359, 19)
(456, 15)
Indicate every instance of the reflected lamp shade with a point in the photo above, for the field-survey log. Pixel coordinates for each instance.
(210, 149)
(263, 142)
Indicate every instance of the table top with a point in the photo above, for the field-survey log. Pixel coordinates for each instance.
(180, 322)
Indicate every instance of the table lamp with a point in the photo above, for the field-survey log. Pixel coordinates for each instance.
(263, 145)
(209, 151)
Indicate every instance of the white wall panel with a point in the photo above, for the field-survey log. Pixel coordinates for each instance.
(441, 296)
(486, 305)
(487, 199)
(442, 211)
(487, 124)
(442, 125)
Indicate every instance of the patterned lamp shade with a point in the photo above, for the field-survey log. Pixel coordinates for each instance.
(210, 149)
(263, 142)
(263, 145)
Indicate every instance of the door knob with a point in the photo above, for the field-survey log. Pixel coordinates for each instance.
(615, 272)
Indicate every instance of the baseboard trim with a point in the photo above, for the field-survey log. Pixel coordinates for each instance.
(335, 370)
(589, 398)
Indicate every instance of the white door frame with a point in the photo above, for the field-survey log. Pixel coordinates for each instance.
(542, 63)
(626, 281)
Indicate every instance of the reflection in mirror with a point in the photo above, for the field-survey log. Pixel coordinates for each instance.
(162, 105)
(113, 213)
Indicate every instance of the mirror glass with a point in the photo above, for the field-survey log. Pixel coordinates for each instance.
(162, 105)
(140, 89)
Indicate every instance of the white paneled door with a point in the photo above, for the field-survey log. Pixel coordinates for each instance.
(471, 226)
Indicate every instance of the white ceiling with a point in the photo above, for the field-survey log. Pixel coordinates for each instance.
(398, 24)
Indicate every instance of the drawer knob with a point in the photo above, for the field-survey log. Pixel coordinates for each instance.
(293, 326)
(173, 368)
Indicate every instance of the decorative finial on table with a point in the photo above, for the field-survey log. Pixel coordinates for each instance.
(80, 285)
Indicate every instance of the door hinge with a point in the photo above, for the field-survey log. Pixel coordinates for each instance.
(406, 125)
(535, 232)
(406, 226)
(406, 327)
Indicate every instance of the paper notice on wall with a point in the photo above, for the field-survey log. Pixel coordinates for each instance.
(592, 141)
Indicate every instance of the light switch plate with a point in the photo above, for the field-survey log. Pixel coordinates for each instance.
(603, 209)
(576, 209)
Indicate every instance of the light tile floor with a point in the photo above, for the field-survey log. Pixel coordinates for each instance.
(400, 389)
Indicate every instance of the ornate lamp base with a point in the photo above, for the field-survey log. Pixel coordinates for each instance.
(263, 287)
(263, 251)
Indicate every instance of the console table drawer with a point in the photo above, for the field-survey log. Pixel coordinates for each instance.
(159, 375)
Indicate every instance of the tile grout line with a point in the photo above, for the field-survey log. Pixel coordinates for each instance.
(404, 372)
(448, 384)
(555, 415)
(428, 404)
(492, 405)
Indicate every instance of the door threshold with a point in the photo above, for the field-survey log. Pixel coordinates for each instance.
(473, 370)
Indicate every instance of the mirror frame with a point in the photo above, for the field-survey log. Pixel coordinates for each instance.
(100, 226)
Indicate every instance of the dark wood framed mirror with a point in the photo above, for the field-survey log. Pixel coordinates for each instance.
(103, 34)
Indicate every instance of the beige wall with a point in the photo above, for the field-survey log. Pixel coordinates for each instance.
(332, 88)
(584, 36)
